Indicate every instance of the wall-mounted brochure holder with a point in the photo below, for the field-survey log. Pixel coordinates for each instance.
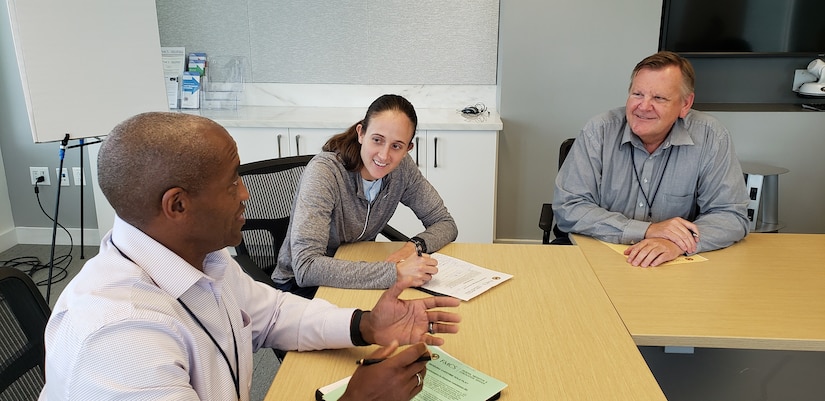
(762, 183)
(224, 83)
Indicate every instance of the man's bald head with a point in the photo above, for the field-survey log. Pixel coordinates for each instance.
(148, 154)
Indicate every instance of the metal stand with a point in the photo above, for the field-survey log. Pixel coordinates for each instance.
(63, 144)
(80, 145)
(63, 147)
(763, 192)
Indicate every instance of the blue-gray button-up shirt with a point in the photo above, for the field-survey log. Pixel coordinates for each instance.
(694, 174)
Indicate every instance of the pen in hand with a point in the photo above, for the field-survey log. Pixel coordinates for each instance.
(693, 233)
(368, 361)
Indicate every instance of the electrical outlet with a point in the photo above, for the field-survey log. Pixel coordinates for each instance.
(64, 176)
(35, 172)
(78, 179)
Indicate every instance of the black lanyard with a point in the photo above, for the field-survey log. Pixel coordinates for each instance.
(236, 376)
(652, 198)
(236, 379)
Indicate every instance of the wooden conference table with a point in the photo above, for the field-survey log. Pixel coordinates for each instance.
(765, 292)
(550, 332)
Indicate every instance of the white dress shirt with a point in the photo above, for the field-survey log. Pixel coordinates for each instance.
(119, 332)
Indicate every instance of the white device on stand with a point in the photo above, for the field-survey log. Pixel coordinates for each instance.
(816, 88)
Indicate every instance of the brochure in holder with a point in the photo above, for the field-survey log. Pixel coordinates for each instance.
(174, 60)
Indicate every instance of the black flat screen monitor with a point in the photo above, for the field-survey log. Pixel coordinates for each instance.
(743, 27)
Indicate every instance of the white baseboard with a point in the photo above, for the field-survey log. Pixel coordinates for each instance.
(43, 236)
(517, 241)
(8, 239)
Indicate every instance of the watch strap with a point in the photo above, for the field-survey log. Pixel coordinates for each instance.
(420, 245)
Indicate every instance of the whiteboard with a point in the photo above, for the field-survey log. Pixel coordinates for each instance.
(86, 65)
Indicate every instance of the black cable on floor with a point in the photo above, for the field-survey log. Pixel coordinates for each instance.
(34, 264)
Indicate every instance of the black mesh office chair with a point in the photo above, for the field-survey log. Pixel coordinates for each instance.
(546, 218)
(272, 185)
(23, 316)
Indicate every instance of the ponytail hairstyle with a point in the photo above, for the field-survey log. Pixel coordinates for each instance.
(346, 145)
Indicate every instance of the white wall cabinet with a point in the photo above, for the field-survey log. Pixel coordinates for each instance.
(262, 143)
(461, 165)
(309, 141)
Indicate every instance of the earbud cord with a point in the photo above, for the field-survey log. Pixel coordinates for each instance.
(366, 220)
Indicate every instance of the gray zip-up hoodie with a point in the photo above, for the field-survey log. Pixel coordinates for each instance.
(330, 209)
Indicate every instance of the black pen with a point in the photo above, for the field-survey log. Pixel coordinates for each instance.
(693, 233)
(368, 362)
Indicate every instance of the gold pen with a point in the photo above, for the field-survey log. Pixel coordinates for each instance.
(370, 361)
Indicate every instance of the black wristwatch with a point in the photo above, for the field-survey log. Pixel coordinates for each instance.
(420, 245)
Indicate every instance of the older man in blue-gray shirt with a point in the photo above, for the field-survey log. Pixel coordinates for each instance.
(654, 174)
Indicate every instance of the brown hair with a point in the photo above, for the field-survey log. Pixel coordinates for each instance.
(664, 59)
(346, 143)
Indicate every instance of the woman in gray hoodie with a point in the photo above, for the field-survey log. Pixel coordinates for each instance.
(348, 193)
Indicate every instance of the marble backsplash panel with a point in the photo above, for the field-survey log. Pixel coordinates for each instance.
(332, 95)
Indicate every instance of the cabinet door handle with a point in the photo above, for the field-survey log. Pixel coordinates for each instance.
(416, 152)
(435, 152)
(279, 145)
(297, 145)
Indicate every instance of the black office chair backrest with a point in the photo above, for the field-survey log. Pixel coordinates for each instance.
(23, 316)
(564, 149)
(546, 216)
(271, 185)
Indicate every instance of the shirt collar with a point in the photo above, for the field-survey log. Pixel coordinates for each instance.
(358, 181)
(166, 269)
(678, 135)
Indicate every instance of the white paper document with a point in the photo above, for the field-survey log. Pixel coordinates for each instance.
(461, 279)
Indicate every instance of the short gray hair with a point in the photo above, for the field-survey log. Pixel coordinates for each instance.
(664, 59)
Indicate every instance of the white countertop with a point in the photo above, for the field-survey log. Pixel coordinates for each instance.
(344, 117)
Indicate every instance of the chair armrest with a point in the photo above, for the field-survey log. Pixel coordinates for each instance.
(253, 270)
(393, 234)
(546, 218)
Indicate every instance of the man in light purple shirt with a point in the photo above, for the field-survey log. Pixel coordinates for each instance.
(163, 312)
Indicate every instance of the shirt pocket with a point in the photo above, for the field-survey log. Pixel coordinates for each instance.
(245, 343)
(676, 205)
